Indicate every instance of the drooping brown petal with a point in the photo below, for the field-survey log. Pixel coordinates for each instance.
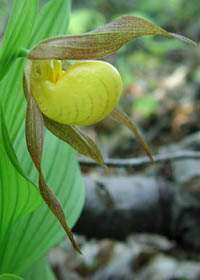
(121, 117)
(34, 132)
(54, 205)
(77, 139)
(26, 79)
(100, 42)
(34, 139)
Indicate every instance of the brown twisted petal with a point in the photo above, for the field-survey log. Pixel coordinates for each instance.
(100, 42)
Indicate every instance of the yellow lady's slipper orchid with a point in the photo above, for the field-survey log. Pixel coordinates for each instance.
(83, 94)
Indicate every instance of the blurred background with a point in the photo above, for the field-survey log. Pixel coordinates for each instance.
(161, 76)
(142, 222)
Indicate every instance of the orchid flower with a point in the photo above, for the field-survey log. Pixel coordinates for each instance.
(61, 96)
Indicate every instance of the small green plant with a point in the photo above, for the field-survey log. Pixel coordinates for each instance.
(31, 64)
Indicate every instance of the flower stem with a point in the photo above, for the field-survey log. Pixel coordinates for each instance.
(23, 52)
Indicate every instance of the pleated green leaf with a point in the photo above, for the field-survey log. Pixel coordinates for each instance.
(42, 269)
(18, 33)
(32, 236)
(18, 196)
(101, 42)
(53, 20)
(9, 277)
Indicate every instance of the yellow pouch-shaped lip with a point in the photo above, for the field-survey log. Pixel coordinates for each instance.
(83, 94)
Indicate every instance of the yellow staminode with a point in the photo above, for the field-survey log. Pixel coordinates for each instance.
(83, 94)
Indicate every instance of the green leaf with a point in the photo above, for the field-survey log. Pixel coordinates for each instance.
(18, 33)
(53, 20)
(10, 277)
(121, 117)
(100, 42)
(75, 138)
(12, 99)
(32, 236)
(35, 234)
(18, 196)
(40, 270)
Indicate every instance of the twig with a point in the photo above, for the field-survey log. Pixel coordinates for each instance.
(134, 162)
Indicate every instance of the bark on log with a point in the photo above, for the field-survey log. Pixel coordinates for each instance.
(116, 207)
